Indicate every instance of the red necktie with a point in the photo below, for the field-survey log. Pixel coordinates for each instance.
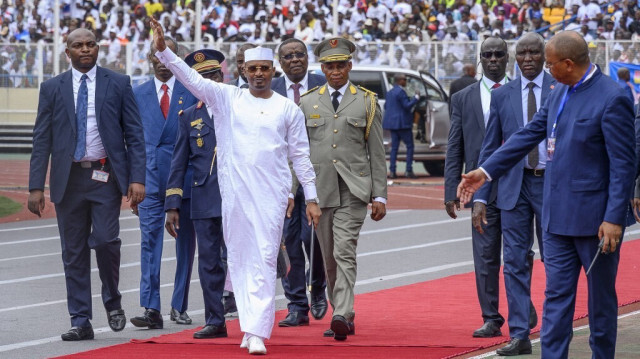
(495, 86)
(164, 101)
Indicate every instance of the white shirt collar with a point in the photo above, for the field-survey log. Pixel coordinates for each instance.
(171, 82)
(304, 82)
(91, 74)
(538, 81)
(489, 83)
(342, 89)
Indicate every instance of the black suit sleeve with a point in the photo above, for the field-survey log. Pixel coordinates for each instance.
(133, 134)
(455, 151)
(42, 138)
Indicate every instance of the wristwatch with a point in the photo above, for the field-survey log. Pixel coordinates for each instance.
(313, 200)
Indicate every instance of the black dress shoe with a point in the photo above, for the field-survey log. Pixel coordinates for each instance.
(330, 333)
(294, 319)
(78, 333)
(150, 319)
(515, 347)
(410, 174)
(116, 319)
(318, 306)
(393, 175)
(533, 316)
(488, 330)
(229, 303)
(340, 327)
(179, 318)
(211, 331)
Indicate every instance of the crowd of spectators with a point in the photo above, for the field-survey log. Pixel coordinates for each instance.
(368, 23)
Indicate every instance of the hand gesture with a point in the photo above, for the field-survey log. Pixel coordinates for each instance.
(470, 183)
(479, 216)
(35, 203)
(172, 224)
(158, 35)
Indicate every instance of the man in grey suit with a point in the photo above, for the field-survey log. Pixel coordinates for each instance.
(469, 116)
(294, 60)
(88, 124)
(345, 136)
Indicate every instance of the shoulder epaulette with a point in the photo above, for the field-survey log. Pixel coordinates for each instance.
(199, 105)
(367, 91)
(180, 112)
(310, 91)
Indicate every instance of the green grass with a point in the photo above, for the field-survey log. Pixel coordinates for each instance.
(8, 207)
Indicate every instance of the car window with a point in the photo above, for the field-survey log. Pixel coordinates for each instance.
(433, 93)
(370, 80)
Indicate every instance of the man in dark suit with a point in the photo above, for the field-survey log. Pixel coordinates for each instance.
(196, 148)
(591, 166)
(469, 116)
(465, 80)
(520, 189)
(241, 81)
(294, 60)
(160, 100)
(89, 124)
(398, 119)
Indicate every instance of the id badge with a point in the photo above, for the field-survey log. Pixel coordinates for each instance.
(551, 148)
(100, 176)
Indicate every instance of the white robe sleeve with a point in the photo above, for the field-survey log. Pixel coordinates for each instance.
(213, 94)
(298, 152)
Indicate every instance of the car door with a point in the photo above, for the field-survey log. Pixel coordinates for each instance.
(437, 112)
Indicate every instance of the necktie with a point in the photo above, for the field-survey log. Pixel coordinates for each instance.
(495, 86)
(531, 110)
(164, 101)
(82, 103)
(296, 93)
(334, 100)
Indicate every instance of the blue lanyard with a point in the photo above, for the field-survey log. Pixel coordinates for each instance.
(565, 98)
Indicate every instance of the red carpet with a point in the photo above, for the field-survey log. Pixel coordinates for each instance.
(432, 319)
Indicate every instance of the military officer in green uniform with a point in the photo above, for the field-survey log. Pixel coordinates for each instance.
(345, 137)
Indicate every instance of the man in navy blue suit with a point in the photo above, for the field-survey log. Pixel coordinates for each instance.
(469, 115)
(294, 60)
(591, 166)
(160, 100)
(520, 189)
(196, 147)
(398, 118)
(89, 124)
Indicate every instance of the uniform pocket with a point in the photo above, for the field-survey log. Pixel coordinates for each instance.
(356, 128)
(316, 128)
(197, 141)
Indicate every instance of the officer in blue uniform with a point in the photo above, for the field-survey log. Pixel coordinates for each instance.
(196, 145)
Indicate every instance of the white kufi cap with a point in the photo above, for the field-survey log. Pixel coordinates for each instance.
(258, 54)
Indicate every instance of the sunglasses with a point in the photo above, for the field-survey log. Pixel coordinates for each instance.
(298, 55)
(253, 69)
(490, 54)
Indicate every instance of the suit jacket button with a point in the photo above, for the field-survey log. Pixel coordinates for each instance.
(335, 131)
(361, 173)
(334, 145)
(315, 125)
(195, 183)
(334, 161)
(335, 116)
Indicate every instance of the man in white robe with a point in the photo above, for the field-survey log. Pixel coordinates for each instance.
(256, 131)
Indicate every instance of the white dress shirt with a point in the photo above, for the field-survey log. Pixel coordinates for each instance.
(342, 90)
(485, 96)
(537, 91)
(160, 92)
(304, 86)
(94, 149)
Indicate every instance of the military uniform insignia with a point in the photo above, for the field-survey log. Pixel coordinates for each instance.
(199, 126)
(199, 105)
(196, 122)
(199, 57)
(200, 142)
(352, 89)
(180, 112)
(310, 91)
(322, 89)
(314, 115)
(315, 107)
(180, 101)
(333, 43)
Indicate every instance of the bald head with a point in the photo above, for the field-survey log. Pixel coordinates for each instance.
(570, 45)
(469, 70)
(80, 32)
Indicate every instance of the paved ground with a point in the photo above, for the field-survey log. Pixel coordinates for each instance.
(417, 237)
